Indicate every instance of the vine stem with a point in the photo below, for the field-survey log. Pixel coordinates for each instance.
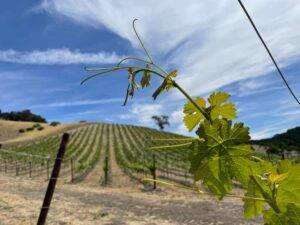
(196, 189)
(145, 50)
(132, 58)
(140, 40)
(267, 197)
(257, 158)
(191, 100)
(138, 69)
(175, 139)
(171, 146)
(144, 61)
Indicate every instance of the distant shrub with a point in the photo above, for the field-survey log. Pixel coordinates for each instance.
(54, 123)
(40, 128)
(30, 129)
(82, 121)
(36, 125)
(21, 131)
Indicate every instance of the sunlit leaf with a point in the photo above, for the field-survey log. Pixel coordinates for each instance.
(290, 216)
(289, 189)
(224, 150)
(215, 176)
(192, 115)
(284, 166)
(277, 178)
(220, 108)
(252, 207)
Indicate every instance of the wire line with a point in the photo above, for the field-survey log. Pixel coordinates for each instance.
(269, 52)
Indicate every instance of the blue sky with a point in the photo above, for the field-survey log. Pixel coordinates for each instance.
(44, 46)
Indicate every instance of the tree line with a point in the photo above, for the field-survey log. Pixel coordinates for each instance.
(23, 115)
(288, 141)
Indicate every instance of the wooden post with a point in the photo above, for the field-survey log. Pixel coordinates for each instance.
(282, 155)
(167, 164)
(72, 170)
(41, 171)
(17, 169)
(48, 167)
(30, 169)
(154, 171)
(144, 165)
(5, 167)
(106, 171)
(0, 149)
(53, 180)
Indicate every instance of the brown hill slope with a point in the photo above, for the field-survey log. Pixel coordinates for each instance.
(9, 131)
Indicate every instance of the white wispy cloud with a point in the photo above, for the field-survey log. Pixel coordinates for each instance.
(86, 112)
(142, 113)
(211, 43)
(62, 56)
(269, 131)
(79, 103)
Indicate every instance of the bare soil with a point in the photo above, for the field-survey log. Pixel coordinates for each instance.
(20, 201)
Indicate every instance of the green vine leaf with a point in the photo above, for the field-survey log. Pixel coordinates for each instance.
(220, 108)
(289, 189)
(284, 166)
(167, 84)
(280, 190)
(252, 207)
(192, 115)
(216, 159)
(291, 216)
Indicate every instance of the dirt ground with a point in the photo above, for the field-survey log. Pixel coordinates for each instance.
(20, 201)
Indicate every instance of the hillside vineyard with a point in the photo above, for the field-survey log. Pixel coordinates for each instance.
(90, 145)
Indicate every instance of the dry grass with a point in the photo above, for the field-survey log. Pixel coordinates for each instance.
(20, 202)
(9, 131)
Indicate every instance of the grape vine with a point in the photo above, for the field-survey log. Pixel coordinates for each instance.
(221, 153)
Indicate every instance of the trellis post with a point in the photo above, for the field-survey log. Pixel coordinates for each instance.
(154, 170)
(72, 170)
(30, 168)
(52, 182)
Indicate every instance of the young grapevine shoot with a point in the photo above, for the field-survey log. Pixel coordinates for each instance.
(221, 153)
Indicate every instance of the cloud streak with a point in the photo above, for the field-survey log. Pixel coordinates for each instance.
(211, 43)
(79, 103)
(63, 56)
(142, 113)
(210, 50)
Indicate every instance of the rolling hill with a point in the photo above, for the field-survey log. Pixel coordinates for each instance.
(10, 131)
(287, 141)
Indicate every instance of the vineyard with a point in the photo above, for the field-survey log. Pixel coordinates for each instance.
(100, 173)
(90, 149)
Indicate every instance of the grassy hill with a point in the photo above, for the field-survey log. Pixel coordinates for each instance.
(287, 141)
(14, 132)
